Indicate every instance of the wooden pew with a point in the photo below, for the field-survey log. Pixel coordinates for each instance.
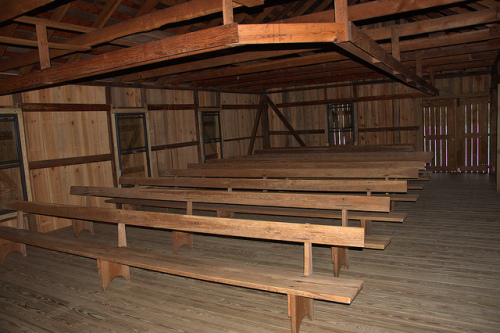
(390, 188)
(301, 288)
(360, 173)
(300, 164)
(361, 208)
(339, 148)
(350, 156)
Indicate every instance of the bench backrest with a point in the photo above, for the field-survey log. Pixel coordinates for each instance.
(310, 185)
(371, 173)
(294, 200)
(291, 232)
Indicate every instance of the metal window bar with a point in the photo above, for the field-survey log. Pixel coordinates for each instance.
(134, 150)
(215, 139)
(340, 118)
(18, 163)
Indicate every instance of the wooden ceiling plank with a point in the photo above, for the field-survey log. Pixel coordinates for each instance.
(12, 9)
(162, 50)
(439, 24)
(439, 56)
(373, 9)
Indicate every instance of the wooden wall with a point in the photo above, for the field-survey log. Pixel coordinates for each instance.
(391, 113)
(384, 114)
(69, 139)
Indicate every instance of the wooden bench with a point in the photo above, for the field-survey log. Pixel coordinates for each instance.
(327, 173)
(301, 288)
(339, 148)
(301, 164)
(284, 204)
(349, 156)
(396, 190)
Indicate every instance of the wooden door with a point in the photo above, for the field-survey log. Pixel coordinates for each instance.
(473, 135)
(458, 132)
(439, 134)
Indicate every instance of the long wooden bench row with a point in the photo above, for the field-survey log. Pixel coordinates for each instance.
(301, 288)
(362, 208)
(298, 163)
(338, 149)
(396, 190)
(306, 173)
(349, 156)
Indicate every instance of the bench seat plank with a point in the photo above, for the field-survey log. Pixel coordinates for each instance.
(311, 185)
(301, 212)
(221, 271)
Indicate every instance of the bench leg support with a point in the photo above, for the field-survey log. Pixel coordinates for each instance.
(339, 259)
(298, 308)
(180, 239)
(367, 225)
(8, 247)
(79, 226)
(109, 270)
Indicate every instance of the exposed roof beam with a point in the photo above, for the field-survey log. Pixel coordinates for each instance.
(405, 30)
(179, 46)
(53, 24)
(11, 9)
(373, 9)
(166, 49)
(151, 21)
(34, 43)
(365, 48)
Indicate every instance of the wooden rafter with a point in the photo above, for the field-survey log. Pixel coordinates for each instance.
(11, 9)
(34, 43)
(285, 122)
(365, 48)
(405, 30)
(217, 38)
(147, 22)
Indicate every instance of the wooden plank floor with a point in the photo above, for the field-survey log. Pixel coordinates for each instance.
(440, 273)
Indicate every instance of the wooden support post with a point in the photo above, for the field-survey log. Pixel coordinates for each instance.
(8, 247)
(183, 238)
(264, 120)
(109, 270)
(341, 11)
(367, 224)
(418, 64)
(308, 264)
(339, 253)
(298, 308)
(227, 11)
(80, 225)
(43, 46)
(254, 130)
(395, 43)
(285, 122)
